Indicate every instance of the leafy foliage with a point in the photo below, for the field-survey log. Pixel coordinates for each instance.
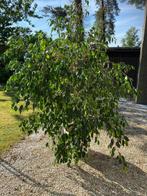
(138, 3)
(5, 73)
(59, 18)
(131, 38)
(12, 11)
(74, 91)
(72, 87)
(68, 18)
(55, 11)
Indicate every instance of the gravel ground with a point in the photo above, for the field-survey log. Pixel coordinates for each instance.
(28, 169)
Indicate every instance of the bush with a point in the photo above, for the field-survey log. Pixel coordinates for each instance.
(76, 95)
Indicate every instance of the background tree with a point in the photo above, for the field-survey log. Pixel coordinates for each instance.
(105, 18)
(11, 12)
(131, 39)
(142, 73)
(138, 3)
(69, 17)
(5, 73)
(58, 17)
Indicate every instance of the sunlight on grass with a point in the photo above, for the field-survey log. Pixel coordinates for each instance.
(10, 132)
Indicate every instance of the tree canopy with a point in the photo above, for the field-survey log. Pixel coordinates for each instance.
(138, 3)
(131, 38)
(63, 20)
(105, 18)
(13, 11)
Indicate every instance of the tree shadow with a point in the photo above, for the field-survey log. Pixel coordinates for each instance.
(1, 87)
(19, 117)
(136, 131)
(107, 177)
(134, 113)
(25, 178)
(4, 100)
(141, 134)
(144, 147)
(9, 94)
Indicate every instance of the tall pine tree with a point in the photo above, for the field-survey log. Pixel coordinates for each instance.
(105, 18)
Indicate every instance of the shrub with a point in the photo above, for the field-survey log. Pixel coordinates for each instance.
(76, 95)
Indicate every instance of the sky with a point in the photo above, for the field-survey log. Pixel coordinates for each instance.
(128, 16)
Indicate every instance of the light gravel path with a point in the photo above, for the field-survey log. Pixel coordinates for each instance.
(28, 169)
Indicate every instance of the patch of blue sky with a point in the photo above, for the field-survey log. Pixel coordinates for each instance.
(129, 16)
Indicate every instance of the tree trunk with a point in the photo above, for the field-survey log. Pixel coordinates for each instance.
(142, 74)
(79, 21)
(103, 21)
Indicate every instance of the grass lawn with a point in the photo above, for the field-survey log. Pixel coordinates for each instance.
(10, 132)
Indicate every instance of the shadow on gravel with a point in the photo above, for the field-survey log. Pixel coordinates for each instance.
(136, 116)
(136, 131)
(108, 178)
(135, 113)
(28, 179)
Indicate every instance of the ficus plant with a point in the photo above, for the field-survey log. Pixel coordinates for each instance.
(74, 93)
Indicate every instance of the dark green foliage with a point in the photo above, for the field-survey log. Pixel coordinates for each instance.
(4, 75)
(55, 11)
(138, 3)
(11, 12)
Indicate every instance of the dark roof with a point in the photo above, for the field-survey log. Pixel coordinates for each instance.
(123, 49)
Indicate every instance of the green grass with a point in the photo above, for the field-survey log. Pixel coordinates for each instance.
(10, 132)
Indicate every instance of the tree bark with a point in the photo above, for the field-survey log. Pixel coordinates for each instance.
(103, 22)
(79, 20)
(142, 73)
